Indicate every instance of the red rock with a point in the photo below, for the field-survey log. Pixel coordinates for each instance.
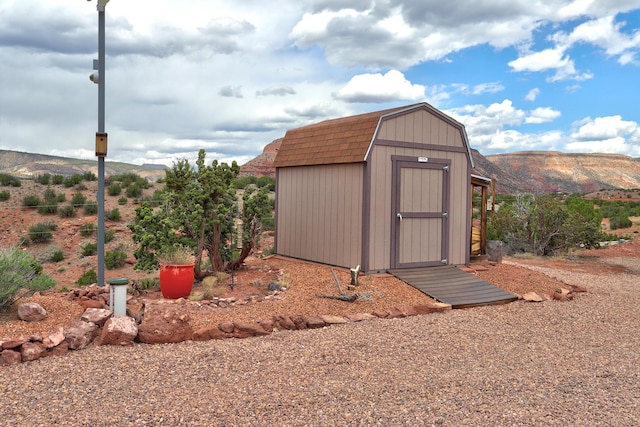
(32, 351)
(284, 322)
(532, 297)
(96, 315)
(359, 317)
(315, 322)
(299, 320)
(394, 313)
(54, 338)
(562, 297)
(382, 314)
(226, 327)
(246, 330)
(119, 330)
(31, 312)
(207, 333)
(334, 320)
(14, 342)
(80, 334)
(267, 325)
(436, 307)
(164, 323)
(60, 349)
(11, 357)
(91, 304)
(407, 310)
(578, 288)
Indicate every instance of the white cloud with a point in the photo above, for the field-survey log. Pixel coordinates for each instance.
(602, 128)
(532, 94)
(392, 86)
(542, 115)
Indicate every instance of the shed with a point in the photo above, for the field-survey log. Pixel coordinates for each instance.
(384, 190)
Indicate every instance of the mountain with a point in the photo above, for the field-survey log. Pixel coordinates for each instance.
(28, 165)
(262, 165)
(552, 171)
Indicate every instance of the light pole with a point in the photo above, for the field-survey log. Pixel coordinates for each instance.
(101, 135)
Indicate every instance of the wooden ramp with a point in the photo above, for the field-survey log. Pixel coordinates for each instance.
(453, 286)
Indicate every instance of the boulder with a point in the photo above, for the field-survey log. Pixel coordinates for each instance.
(207, 333)
(119, 330)
(164, 323)
(32, 351)
(14, 342)
(60, 349)
(333, 320)
(31, 312)
(54, 338)
(90, 303)
(248, 329)
(10, 357)
(96, 315)
(80, 334)
(315, 322)
(284, 322)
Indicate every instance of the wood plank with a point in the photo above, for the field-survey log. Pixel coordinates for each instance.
(453, 286)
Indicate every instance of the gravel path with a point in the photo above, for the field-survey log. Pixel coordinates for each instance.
(572, 363)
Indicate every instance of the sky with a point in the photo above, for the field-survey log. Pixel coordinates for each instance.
(231, 76)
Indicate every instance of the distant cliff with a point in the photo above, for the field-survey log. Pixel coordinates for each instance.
(263, 164)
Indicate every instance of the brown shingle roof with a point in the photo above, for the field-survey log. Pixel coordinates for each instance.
(343, 140)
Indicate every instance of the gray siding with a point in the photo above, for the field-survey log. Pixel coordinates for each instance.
(319, 213)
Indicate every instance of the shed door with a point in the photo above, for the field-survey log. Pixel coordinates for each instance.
(420, 226)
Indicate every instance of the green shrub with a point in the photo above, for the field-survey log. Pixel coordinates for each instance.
(21, 276)
(90, 249)
(67, 212)
(89, 176)
(31, 201)
(41, 232)
(619, 221)
(57, 179)
(57, 256)
(114, 259)
(7, 180)
(114, 189)
(49, 207)
(78, 199)
(49, 194)
(114, 215)
(4, 196)
(91, 208)
(43, 179)
(80, 187)
(134, 190)
(109, 235)
(88, 278)
(122, 200)
(87, 229)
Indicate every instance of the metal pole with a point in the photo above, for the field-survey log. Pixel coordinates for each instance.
(100, 195)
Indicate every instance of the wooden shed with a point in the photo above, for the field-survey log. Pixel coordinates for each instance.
(383, 190)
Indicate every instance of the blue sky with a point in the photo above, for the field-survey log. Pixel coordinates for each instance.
(231, 76)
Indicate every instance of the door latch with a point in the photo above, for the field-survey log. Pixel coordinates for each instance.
(399, 215)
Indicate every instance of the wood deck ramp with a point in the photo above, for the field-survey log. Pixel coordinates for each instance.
(453, 286)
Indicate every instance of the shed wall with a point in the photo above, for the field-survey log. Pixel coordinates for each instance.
(319, 213)
(418, 134)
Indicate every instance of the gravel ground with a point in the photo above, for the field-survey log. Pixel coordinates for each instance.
(572, 363)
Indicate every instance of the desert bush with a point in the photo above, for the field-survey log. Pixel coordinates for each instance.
(80, 187)
(91, 208)
(89, 176)
(49, 207)
(122, 200)
(67, 211)
(113, 215)
(57, 179)
(89, 249)
(134, 190)
(4, 196)
(31, 201)
(57, 256)
(43, 179)
(87, 229)
(21, 276)
(78, 199)
(109, 235)
(41, 232)
(114, 259)
(88, 277)
(114, 189)
(619, 221)
(72, 180)
(7, 180)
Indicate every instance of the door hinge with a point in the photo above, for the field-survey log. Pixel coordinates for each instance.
(446, 168)
(444, 260)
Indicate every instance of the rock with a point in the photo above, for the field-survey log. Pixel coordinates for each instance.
(96, 315)
(31, 312)
(559, 296)
(80, 334)
(532, 297)
(299, 320)
(91, 303)
(578, 288)
(334, 320)
(246, 330)
(53, 339)
(359, 317)
(315, 322)
(394, 313)
(382, 314)
(436, 307)
(226, 327)
(207, 333)
(14, 342)
(11, 357)
(32, 351)
(164, 323)
(119, 330)
(60, 349)
(407, 310)
(267, 325)
(284, 322)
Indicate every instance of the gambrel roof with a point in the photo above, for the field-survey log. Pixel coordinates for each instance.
(342, 140)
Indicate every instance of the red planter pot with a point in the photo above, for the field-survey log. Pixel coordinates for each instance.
(176, 281)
